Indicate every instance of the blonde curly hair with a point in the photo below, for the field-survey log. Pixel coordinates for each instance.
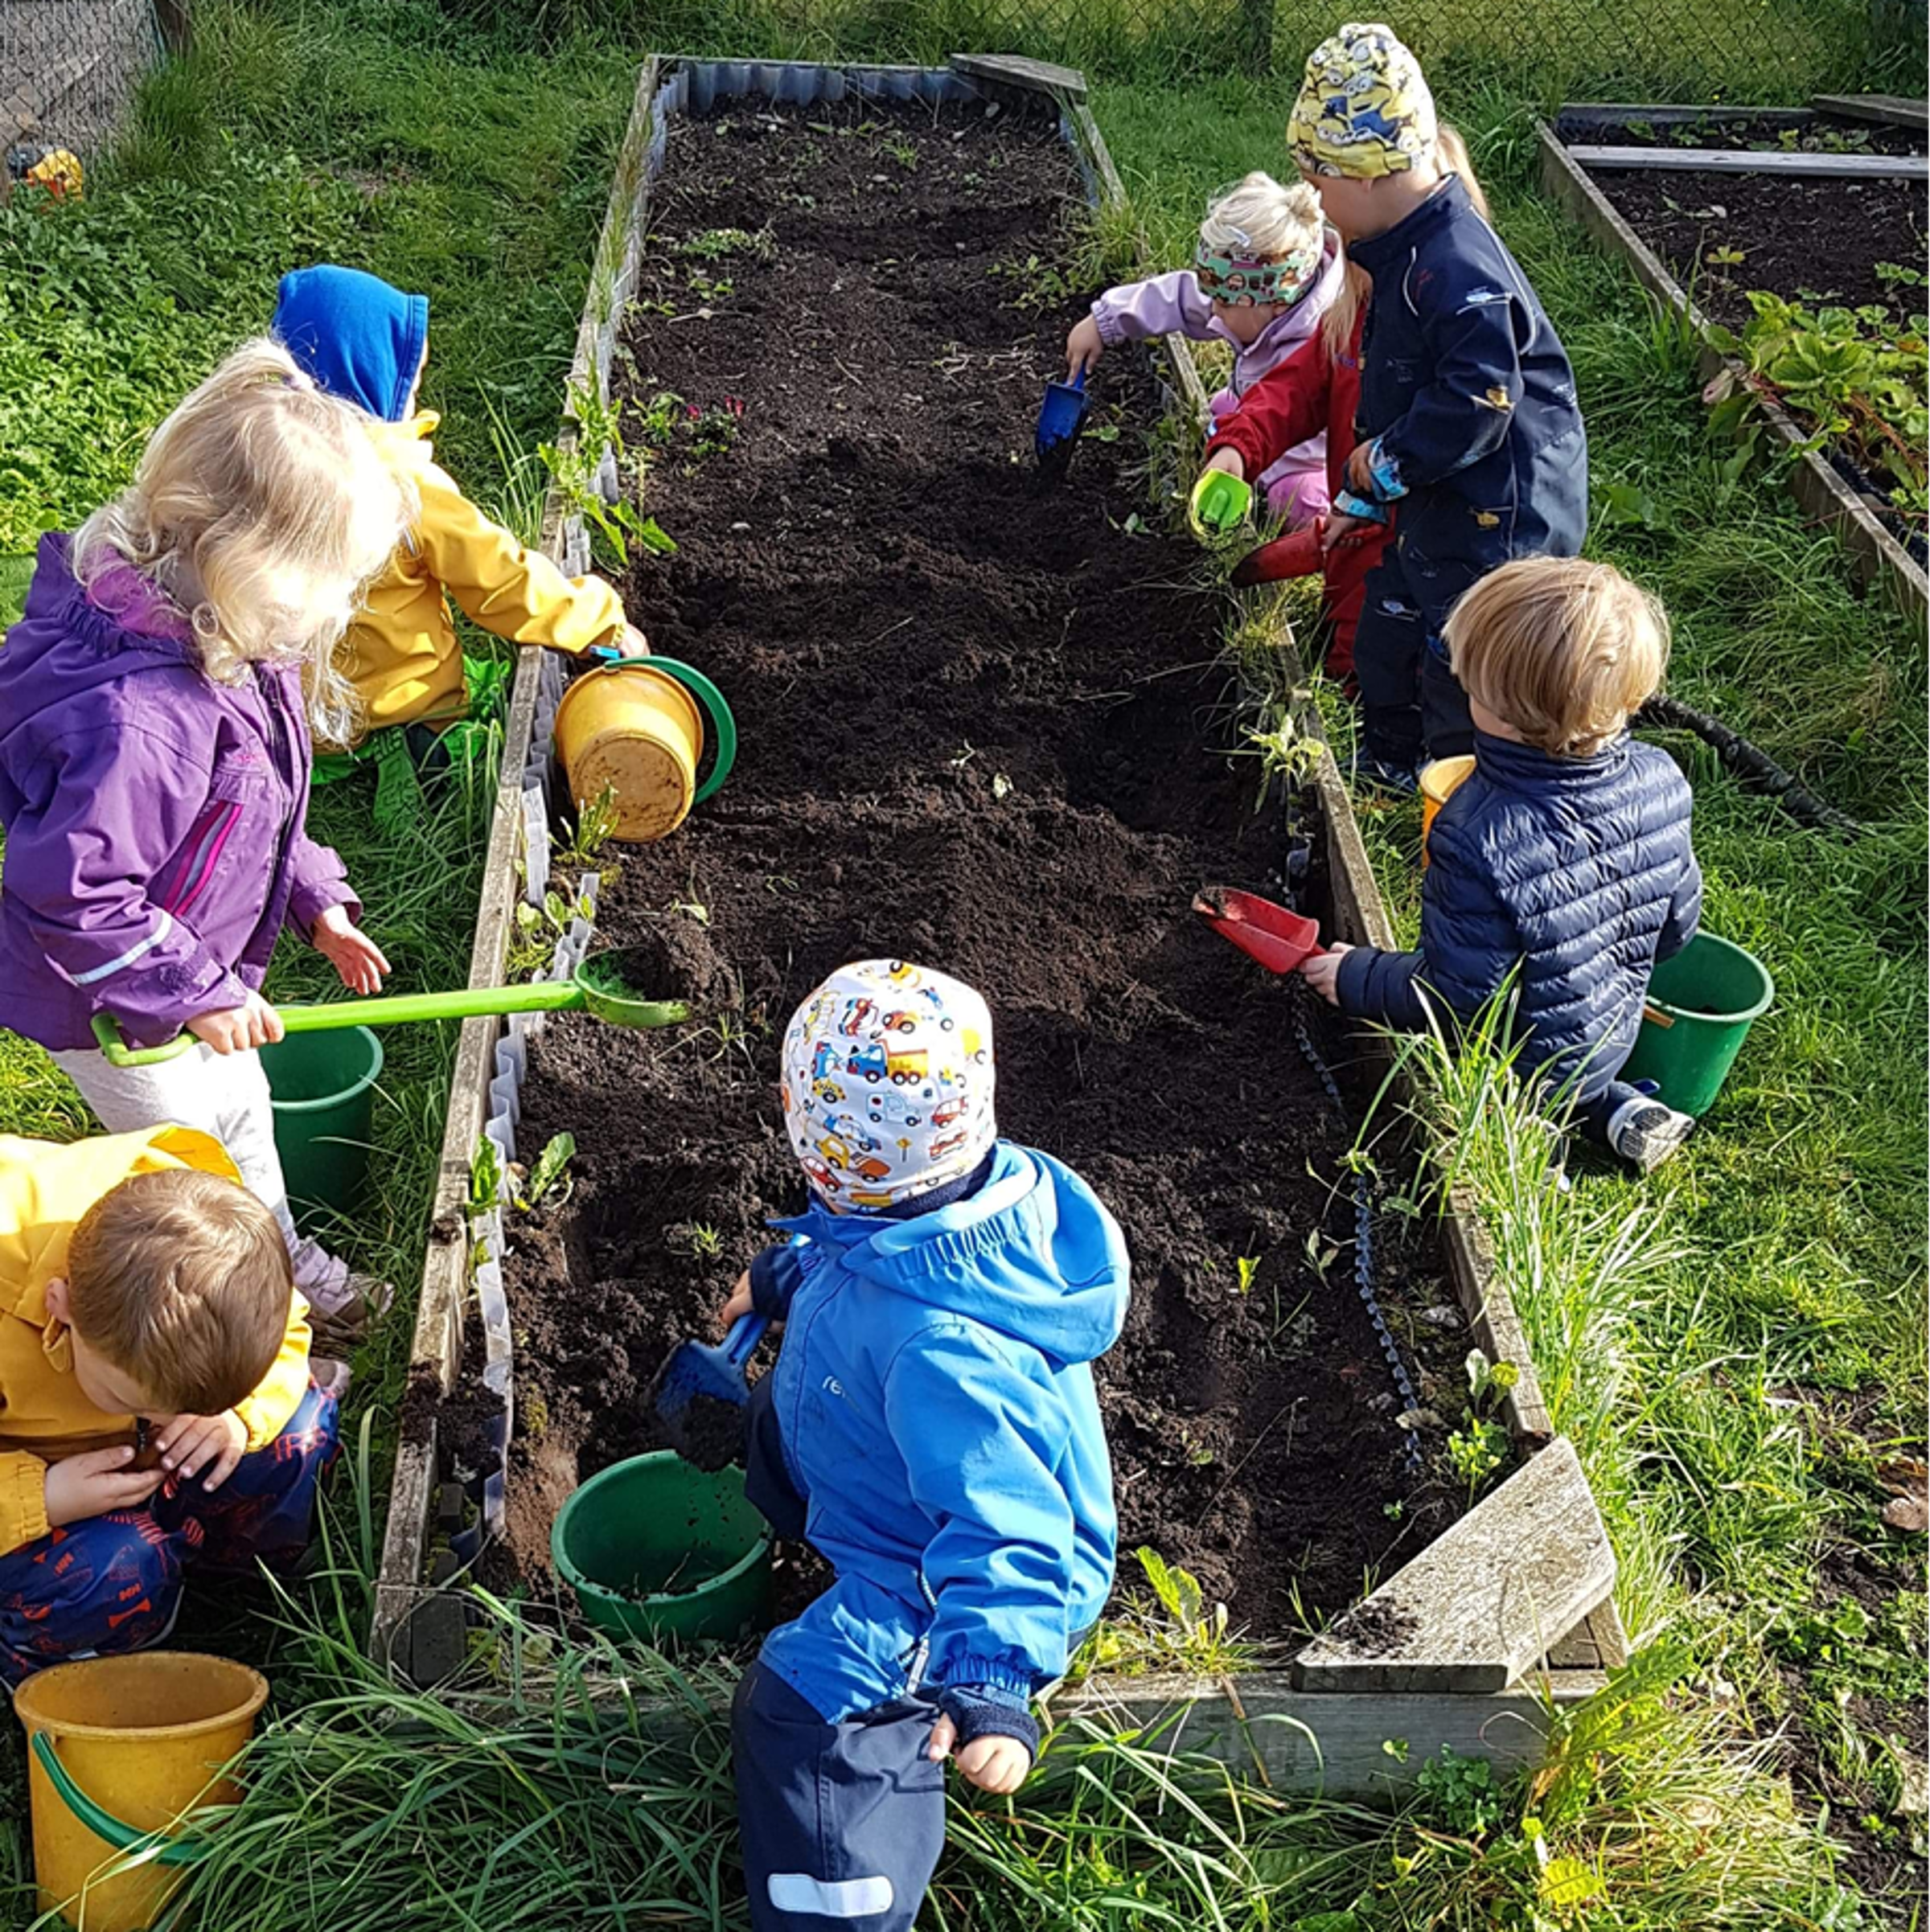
(260, 509)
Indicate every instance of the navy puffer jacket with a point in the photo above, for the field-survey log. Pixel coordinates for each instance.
(1467, 402)
(1577, 870)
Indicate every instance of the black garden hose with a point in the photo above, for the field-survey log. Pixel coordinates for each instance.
(1749, 763)
(1299, 998)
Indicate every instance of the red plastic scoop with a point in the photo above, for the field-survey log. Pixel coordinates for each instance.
(1280, 940)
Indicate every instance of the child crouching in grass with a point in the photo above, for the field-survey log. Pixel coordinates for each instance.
(140, 1281)
(367, 342)
(931, 1428)
(1565, 856)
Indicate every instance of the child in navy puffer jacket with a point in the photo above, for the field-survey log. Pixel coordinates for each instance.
(1470, 436)
(1565, 856)
(931, 1428)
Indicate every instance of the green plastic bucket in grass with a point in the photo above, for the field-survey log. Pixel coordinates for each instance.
(1701, 1006)
(655, 1548)
(323, 1085)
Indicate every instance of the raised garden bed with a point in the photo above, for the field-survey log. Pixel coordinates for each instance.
(981, 727)
(1706, 207)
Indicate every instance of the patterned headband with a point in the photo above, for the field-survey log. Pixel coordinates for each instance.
(1252, 281)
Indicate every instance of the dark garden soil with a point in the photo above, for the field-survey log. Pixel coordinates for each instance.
(1795, 234)
(1821, 134)
(982, 727)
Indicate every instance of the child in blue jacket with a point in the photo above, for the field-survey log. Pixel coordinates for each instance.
(1469, 438)
(931, 1428)
(1564, 857)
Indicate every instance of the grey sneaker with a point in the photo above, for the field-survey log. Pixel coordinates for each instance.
(331, 1375)
(1646, 1133)
(340, 1313)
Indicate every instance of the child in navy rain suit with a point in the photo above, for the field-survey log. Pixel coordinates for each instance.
(1563, 860)
(1471, 437)
(931, 1428)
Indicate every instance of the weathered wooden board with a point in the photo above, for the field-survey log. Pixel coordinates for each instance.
(1304, 1741)
(1823, 494)
(1475, 1609)
(1673, 114)
(1015, 70)
(1745, 161)
(437, 1345)
(1885, 110)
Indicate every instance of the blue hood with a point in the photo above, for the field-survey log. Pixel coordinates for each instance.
(1033, 1255)
(359, 338)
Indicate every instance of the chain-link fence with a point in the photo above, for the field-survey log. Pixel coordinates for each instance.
(68, 68)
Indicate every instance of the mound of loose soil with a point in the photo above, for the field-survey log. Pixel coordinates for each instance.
(982, 727)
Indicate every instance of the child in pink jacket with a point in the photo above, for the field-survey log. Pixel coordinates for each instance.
(1265, 271)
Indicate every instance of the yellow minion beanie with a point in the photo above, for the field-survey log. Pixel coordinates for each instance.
(1364, 109)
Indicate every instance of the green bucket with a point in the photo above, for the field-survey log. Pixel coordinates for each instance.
(655, 1549)
(1701, 1006)
(323, 1086)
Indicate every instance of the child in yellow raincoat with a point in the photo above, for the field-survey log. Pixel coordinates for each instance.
(143, 1291)
(366, 342)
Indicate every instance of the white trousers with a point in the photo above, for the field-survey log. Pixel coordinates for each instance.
(224, 1094)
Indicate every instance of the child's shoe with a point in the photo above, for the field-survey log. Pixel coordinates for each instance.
(1646, 1133)
(1377, 773)
(331, 1375)
(340, 1311)
(1295, 555)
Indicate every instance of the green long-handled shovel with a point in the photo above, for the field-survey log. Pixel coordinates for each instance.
(609, 987)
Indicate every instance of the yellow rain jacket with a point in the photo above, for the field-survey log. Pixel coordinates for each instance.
(401, 653)
(45, 1188)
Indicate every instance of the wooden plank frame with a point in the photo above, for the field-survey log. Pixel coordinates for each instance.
(1824, 495)
(1749, 161)
(1297, 1740)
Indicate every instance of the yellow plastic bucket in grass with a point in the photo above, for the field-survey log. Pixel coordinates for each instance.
(633, 729)
(1439, 782)
(119, 1748)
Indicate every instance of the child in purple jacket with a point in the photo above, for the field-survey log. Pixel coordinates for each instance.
(155, 705)
(1265, 271)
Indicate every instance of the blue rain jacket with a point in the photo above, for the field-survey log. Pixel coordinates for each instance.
(1468, 403)
(935, 1402)
(1578, 871)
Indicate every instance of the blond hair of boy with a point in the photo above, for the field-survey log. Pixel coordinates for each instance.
(1563, 651)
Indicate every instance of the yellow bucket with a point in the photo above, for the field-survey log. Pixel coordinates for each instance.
(119, 1747)
(1439, 781)
(633, 729)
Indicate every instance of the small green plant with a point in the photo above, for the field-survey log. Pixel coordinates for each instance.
(532, 943)
(1463, 1792)
(485, 1180)
(597, 822)
(574, 468)
(1725, 257)
(550, 1176)
(1038, 283)
(717, 245)
(1249, 1267)
(1284, 750)
(904, 154)
(1480, 1448)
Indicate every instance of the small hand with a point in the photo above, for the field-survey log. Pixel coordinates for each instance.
(212, 1443)
(1322, 971)
(740, 1302)
(1229, 459)
(1338, 532)
(1083, 347)
(631, 644)
(1360, 476)
(355, 956)
(238, 1029)
(993, 1764)
(92, 1484)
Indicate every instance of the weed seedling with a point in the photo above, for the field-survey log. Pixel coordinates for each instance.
(597, 822)
(550, 1176)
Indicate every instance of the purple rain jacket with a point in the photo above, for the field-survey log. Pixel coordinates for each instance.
(155, 845)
